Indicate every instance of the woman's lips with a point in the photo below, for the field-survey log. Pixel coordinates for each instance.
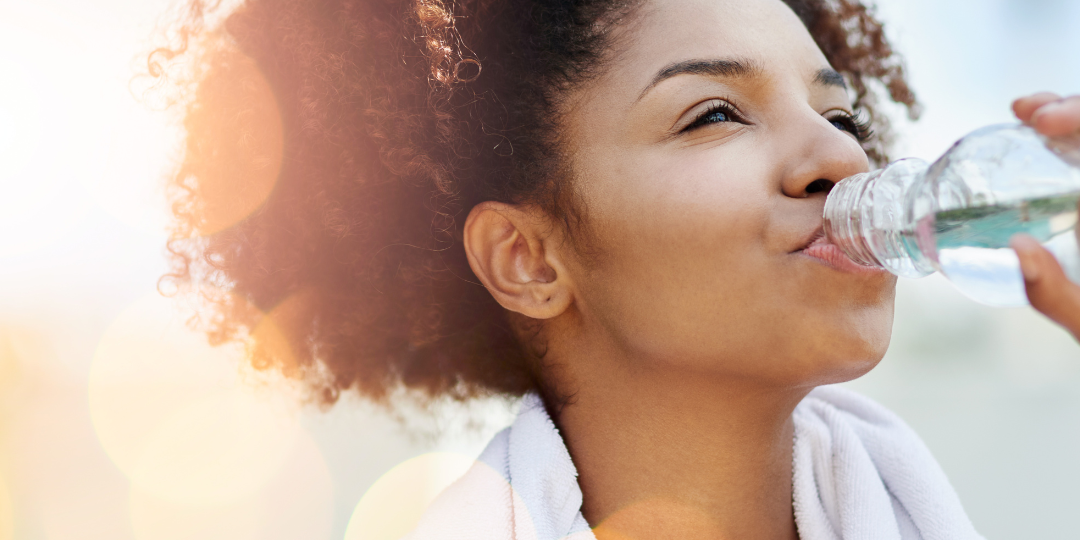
(831, 255)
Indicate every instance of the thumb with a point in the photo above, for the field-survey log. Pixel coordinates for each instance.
(1048, 288)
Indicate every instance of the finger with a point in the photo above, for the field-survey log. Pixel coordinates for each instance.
(1026, 106)
(1048, 289)
(1057, 118)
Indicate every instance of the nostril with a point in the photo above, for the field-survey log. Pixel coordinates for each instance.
(819, 186)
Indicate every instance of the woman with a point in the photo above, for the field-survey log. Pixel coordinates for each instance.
(612, 207)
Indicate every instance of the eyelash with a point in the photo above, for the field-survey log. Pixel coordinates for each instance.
(857, 124)
(719, 107)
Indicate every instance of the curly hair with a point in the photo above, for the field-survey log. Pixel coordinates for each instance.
(333, 148)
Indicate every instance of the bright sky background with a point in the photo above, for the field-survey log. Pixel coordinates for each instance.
(117, 424)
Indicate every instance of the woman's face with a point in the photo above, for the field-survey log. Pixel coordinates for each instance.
(700, 155)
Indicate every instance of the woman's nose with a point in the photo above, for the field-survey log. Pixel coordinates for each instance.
(821, 156)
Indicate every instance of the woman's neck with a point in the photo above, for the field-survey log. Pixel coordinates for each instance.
(662, 454)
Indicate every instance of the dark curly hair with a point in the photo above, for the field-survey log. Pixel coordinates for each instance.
(333, 148)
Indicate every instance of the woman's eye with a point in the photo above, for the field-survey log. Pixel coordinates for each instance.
(854, 125)
(845, 124)
(718, 114)
(715, 116)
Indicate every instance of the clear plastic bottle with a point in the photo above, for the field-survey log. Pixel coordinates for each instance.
(957, 215)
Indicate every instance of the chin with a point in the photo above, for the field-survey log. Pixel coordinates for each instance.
(855, 352)
(836, 366)
(837, 347)
(851, 367)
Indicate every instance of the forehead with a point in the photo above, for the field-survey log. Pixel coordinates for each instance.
(766, 32)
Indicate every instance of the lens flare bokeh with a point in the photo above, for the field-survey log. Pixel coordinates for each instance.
(234, 173)
(395, 502)
(276, 513)
(175, 415)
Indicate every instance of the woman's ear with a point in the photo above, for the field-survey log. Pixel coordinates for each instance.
(512, 249)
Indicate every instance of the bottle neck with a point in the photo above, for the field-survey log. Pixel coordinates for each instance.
(865, 216)
(843, 225)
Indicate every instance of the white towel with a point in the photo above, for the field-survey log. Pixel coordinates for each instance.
(522, 487)
(859, 473)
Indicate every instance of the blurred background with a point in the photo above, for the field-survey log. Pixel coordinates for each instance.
(118, 423)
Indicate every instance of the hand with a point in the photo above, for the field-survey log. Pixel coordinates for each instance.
(1048, 289)
(1049, 114)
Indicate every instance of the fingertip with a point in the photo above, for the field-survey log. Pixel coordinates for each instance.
(1024, 242)
(1058, 118)
(1020, 110)
(1027, 249)
(1026, 106)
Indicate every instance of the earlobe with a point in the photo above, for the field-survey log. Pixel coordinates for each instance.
(510, 251)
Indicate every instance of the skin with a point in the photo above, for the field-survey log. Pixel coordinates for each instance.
(684, 322)
(1048, 289)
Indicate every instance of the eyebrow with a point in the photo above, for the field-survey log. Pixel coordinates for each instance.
(830, 77)
(729, 68)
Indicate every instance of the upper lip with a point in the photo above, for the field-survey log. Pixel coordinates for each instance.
(817, 237)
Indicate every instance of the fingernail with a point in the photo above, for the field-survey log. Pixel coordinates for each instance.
(1049, 108)
(1026, 242)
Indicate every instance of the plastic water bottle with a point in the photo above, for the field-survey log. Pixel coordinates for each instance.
(957, 215)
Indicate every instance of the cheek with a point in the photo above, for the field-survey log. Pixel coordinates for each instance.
(685, 273)
(674, 211)
(678, 248)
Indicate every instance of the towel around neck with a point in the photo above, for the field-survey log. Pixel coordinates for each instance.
(859, 473)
